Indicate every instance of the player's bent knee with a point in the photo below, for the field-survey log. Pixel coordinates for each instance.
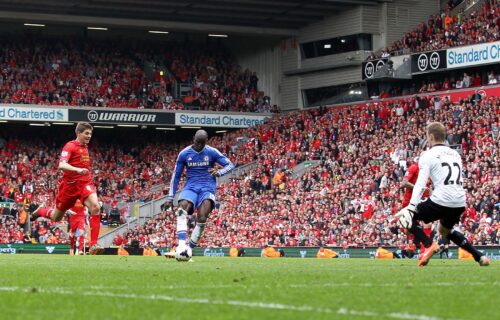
(57, 215)
(95, 209)
(185, 205)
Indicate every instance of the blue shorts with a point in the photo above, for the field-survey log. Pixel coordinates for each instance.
(197, 195)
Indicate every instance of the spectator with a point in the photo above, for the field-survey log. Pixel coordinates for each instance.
(466, 81)
(492, 79)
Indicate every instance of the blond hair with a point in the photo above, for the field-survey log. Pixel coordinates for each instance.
(438, 130)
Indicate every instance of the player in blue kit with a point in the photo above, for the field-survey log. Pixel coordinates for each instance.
(199, 190)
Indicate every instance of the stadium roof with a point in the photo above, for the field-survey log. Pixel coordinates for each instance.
(280, 17)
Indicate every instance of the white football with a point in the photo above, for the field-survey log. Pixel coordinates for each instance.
(405, 218)
(183, 253)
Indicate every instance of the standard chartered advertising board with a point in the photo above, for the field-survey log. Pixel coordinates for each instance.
(218, 120)
(137, 117)
(483, 53)
(44, 114)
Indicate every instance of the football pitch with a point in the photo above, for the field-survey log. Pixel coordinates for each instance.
(135, 287)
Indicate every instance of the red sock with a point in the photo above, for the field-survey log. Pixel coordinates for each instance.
(45, 213)
(428, 231)
(80, 245)
(72, 243)
(95, 227)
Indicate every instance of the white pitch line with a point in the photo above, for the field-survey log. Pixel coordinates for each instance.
(305, 285)
(245, 304)
(171, 287)
(369, 284)
(399, 315)
(9, 288)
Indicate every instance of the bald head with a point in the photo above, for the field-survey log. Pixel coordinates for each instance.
(200, 140)
(201, 135)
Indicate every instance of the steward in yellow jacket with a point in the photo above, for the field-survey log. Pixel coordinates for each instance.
(326, 253)
(270, 252)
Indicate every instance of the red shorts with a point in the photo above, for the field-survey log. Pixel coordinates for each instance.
(76, 222)
(70, 191)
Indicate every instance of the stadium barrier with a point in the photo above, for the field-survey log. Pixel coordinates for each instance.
(493, 252)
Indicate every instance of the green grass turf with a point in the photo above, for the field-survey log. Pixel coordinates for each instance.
(113, 287)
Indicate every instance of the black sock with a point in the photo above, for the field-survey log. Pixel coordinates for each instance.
(419, 233)
(462, 242)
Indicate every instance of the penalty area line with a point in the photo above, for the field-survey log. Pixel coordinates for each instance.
(237, 303)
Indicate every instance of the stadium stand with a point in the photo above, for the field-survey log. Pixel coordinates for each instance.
(88, 72)
(350, 199)
(454, 80)
(123, 173)
(444, 31)
(126, 169)
(363, 149)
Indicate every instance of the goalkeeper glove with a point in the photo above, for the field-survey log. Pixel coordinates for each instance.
(405, 217)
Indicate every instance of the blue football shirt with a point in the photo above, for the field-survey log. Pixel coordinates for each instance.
(197, 165)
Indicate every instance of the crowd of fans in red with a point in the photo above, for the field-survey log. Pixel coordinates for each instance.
(122, 172)
(125, 170)
(347, 200)
(350, 197)
(218, 82)
(444, 31)
(462, 80)
(86, 72)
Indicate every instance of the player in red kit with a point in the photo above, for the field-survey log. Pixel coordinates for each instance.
(76, 184)
(408, 182)
(77, 227)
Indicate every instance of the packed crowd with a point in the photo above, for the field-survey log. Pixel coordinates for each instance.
(122, 172)
(435, 83)
(350, 197)
(218, 82)
(462, 82)
(86, 72)
(125, 169)
(347, 200)
(444, 31)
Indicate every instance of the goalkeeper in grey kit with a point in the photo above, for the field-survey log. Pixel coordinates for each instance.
(447, 203)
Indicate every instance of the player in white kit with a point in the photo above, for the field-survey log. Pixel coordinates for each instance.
(447, 203)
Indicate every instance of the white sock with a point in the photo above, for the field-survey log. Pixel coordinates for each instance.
(181, 226)
(196, 235)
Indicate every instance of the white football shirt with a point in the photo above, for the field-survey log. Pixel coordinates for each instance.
(444, 166)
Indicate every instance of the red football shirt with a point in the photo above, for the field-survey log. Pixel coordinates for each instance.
(77, 155)
(411, 176)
